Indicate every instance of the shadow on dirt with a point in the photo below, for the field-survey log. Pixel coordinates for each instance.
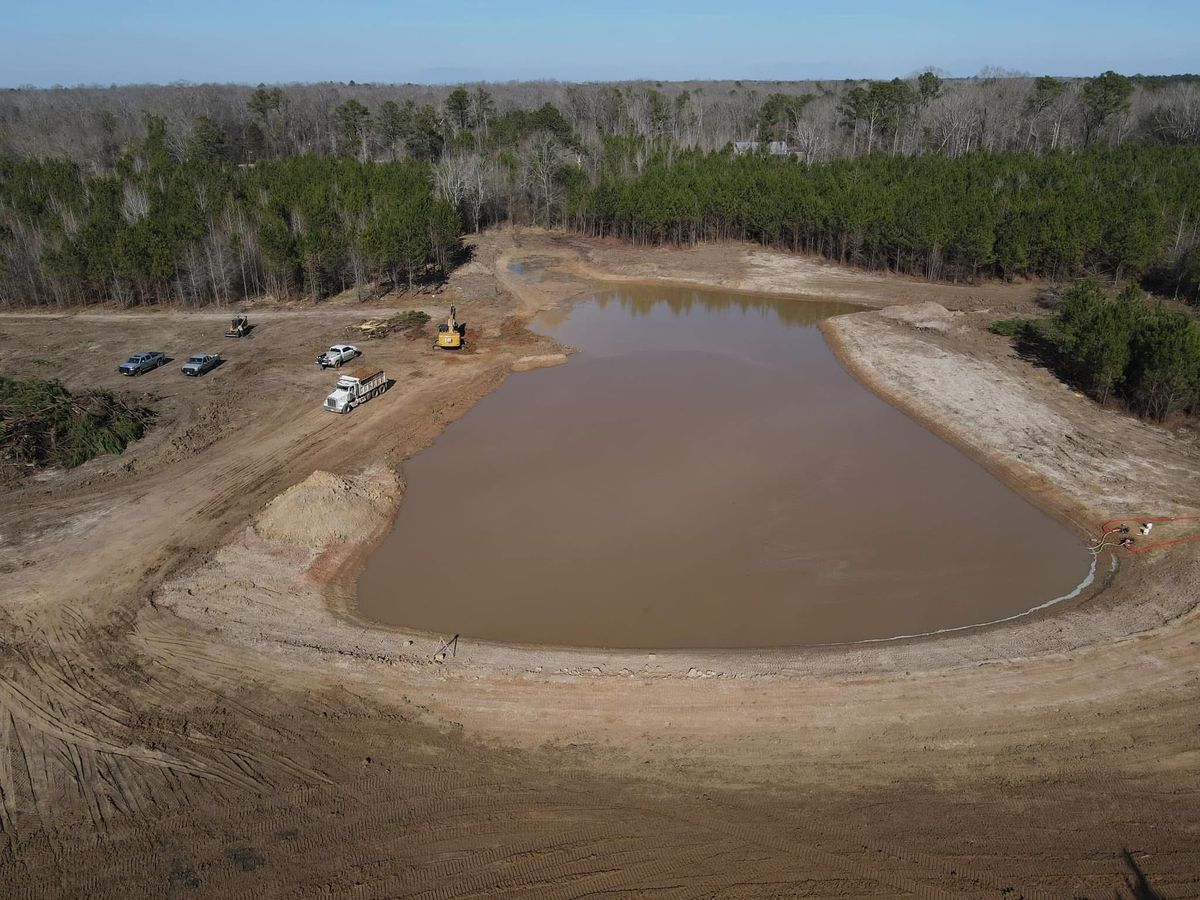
(429, 281)
(1136, 882)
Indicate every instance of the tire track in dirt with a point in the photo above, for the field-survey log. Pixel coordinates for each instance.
(8, 791)
(72, 731)
(58, 735)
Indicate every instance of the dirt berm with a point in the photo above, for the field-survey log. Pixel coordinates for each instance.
(190, 707)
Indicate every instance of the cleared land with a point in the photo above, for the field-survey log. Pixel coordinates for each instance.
(190, 709)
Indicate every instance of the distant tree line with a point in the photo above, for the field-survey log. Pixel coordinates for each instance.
(196, 230)
(997, 111)
(1139, 351)
(199, 192)
(1123, 212)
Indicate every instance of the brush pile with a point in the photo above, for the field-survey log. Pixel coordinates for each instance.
(44, 425)
(409, 322)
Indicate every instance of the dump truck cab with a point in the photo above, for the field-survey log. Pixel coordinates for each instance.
(354, 388)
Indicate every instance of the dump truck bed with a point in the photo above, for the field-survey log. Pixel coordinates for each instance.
(362, 376)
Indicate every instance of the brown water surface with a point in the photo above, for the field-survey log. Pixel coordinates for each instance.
(704, 473)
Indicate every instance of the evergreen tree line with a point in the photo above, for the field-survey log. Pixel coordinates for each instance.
(1123, 213)
(1139, 351)
(196, 230)
(175, 215)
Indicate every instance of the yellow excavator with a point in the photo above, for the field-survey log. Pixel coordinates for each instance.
(450, 334)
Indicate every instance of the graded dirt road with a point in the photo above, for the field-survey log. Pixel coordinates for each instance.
(189, 708)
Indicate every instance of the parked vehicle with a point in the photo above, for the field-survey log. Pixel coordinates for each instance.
(142, 362)
(337, 356)
(355, 388)
(239, 326)
(200, 363)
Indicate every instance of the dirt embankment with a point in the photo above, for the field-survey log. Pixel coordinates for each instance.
(946, 370)
(191, 709)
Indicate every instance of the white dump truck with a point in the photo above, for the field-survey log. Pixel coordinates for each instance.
(355, 388)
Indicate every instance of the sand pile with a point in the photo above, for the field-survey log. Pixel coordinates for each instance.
(326, 509)
(544, 361)
(927, 316)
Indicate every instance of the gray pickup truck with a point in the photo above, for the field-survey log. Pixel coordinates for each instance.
(200, 363)
(142, 362)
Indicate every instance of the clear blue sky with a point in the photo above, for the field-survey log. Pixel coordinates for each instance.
(121, 41)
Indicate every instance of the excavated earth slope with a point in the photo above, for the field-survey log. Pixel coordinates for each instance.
(189, 708)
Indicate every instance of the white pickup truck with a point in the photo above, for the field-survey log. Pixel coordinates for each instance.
(355, 388)
(337, 356)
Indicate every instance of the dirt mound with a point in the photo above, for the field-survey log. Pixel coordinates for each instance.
(513, 329)
(326, 508)
(544, 361)
(927, 316)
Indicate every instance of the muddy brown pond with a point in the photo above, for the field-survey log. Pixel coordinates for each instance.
(704, 473)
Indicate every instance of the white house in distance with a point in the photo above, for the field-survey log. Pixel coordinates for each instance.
(773, 148)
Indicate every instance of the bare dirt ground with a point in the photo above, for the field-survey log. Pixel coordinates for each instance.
(188, 706)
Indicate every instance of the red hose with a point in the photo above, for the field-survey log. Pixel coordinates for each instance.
(1107, 526)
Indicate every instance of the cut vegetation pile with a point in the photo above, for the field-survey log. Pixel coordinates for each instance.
(42, 424)
(408, 322)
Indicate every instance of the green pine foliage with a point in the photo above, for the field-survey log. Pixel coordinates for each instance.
(1130, 347)
(185, 223)
(1001, 215)
(201, 229)
(1010, 328)
(1177, 275)
(410, 318)
(42, 424)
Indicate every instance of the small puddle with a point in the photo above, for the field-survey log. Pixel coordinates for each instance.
(704, 473)
(531, 269)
